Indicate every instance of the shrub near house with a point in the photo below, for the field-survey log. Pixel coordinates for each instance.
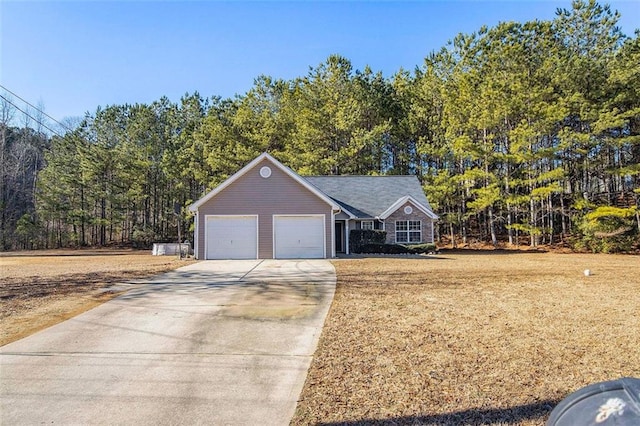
(373, 241)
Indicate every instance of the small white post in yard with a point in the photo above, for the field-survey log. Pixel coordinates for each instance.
(587, 272)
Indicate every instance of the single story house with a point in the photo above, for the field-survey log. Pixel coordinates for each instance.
(267, 211)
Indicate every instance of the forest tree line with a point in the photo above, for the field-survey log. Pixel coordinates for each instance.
(522, 133)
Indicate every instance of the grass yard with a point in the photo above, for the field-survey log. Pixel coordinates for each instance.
(41, 288)
(471, 337)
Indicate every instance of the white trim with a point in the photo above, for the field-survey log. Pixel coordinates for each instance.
(194, 207)
(408, 231)
(333, 234)
(373, 225)
(344, 235)
(206, 239)
(265, 172)
(433, 237)
(196, 219)
(407, 198)
(324, 230)
(351, 215)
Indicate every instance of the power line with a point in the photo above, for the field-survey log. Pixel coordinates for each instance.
(32, 117)
(34, 107)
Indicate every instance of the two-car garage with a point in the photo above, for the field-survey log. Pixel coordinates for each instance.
(264, 211)
(238, 237)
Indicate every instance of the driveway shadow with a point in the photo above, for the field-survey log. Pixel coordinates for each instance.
(181, 282)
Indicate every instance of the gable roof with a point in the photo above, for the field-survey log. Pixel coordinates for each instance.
(373, 196)
(401, 202)
(194, 207)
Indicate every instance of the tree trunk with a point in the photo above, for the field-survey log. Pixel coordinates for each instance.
(532, 223)
(551, 221)
(563, 218)
(83, 238)
(492, 228)
(453, 236)
(103, 217)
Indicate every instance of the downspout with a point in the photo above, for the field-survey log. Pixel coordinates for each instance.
(346, 236)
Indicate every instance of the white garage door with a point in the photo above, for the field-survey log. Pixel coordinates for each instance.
(299, 237)
(232, 237)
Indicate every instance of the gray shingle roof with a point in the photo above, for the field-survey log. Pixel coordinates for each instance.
(369, 196)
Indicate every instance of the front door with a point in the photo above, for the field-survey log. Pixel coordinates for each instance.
(340, 237)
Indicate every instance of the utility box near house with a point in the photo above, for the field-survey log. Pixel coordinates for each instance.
(608, 403)
(168, 249)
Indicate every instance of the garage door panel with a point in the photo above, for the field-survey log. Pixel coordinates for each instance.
(299, 237)
(231, 237)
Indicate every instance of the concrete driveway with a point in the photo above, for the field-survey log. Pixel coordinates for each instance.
(216, 342)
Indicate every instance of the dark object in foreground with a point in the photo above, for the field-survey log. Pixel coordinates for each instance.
(608, 403)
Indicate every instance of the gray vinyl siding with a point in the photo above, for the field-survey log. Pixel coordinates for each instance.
(252, 194)
(390, 223)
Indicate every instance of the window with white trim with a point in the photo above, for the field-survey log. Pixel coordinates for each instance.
(366, 224)
(408, 231)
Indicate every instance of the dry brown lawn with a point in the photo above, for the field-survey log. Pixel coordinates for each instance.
(41, 288)
(471, 337)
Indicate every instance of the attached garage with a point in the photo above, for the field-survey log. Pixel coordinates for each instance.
(264, 211)
(299, 236)
(267, 211)
(231, 237)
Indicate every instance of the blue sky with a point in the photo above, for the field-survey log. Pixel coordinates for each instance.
(75, 56)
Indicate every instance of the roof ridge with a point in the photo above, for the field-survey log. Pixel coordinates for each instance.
(361, 176)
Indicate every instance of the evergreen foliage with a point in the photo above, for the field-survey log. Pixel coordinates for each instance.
(522, 131)
(610, 230)
(360, 238)
(380, 248)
